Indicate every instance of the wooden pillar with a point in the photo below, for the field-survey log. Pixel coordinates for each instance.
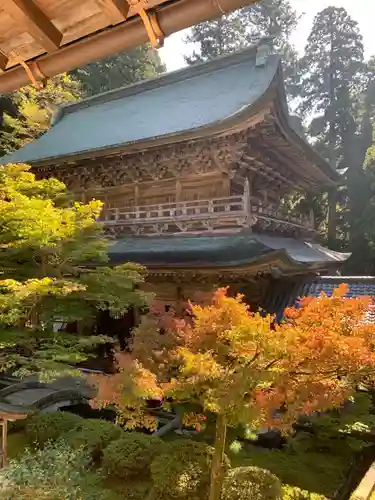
(178, 189)
(226, 185)
(4, 441)
(136, 193)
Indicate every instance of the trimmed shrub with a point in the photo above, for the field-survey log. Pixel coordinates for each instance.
(251, 483)
(131, 455)
(94, 435)
(43, 427)
(294, 493)
(56, 472)
(182, 470)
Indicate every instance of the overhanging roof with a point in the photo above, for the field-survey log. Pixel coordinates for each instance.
(42, 38)
(195, 101)
(244, 251)
(219, 97)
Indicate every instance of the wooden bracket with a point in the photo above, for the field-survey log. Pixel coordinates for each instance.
(34, 73)
(154, 31)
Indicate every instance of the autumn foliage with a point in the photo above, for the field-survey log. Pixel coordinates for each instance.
(234, 362)
(242, 366)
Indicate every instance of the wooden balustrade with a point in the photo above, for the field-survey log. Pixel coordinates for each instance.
(232, 211)
(175, 211)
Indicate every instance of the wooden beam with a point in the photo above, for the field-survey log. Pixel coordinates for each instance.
(3, 61)
(115, 10)
(35, 22)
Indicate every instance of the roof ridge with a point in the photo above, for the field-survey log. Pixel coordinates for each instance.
(162, 80)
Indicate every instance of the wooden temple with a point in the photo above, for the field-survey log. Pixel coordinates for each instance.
(192, 168)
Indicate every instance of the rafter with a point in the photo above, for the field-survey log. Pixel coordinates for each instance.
(115, 10)
(29, 15)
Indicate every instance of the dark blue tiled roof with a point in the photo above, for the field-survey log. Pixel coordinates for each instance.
(359, 286)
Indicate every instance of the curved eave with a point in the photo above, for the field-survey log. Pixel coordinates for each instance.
(271, 100)
(241, 254)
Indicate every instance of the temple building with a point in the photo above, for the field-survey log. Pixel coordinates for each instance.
(193, 167)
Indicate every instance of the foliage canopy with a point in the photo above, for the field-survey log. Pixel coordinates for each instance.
(49, 247)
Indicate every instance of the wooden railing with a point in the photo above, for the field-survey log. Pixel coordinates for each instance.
(270, 212)
(175, 211)
(231, 211)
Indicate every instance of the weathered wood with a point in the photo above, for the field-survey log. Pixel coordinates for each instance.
(3, 61)
(29, 15)
(4, 441)
(87, 31)
(116, 10)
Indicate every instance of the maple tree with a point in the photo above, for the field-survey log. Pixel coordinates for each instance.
(54, 272)
(242, 367)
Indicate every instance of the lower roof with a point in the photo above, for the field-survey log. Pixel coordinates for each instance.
(358, 286)
(219, 252)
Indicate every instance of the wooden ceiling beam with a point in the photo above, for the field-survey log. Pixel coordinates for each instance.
(116, 10)
(3, 61)
(29, 15)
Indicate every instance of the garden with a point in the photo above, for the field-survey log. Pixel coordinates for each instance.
(222, 372)
(61, 455)
(324, 439)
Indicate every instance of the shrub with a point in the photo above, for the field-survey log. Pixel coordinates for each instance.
(319, 472)
(56, 472)
(182, 470)
(251, 483)
(131, 455)
(294, 493)
(94, 435)
(44, 427)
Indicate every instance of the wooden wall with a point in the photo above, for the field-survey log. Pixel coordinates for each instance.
(157, 192)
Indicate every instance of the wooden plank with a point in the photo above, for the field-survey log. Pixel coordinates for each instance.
(28, 14)
(115, 10)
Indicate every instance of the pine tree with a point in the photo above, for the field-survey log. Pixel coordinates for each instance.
(27, 113)
(49, 247)
(331, 81)
(224, 35)
(239, 29)
(119, 70)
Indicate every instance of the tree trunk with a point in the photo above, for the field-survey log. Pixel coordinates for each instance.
(332, 144)
(217, 460)
(332, 215)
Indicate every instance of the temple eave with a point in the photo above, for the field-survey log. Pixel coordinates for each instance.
(225, 258)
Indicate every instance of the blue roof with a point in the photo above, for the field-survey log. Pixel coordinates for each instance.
(359, 286)
(193, 99)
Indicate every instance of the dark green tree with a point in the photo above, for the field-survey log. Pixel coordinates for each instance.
(237, 30)
(332, 80)
(119, 70)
